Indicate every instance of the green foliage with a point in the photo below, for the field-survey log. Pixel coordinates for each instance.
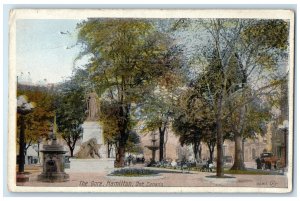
(156, 109)
(128, 58)
(136, 69)
(269, 33)
(70, 111)
(38, 122)
(127, 55)
(133, 143)
(110, 119)
(258, 114)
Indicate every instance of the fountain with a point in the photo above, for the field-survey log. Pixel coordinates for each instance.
(53, 161)
(153, 147)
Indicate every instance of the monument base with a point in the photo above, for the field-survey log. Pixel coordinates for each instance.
(92, 129)
(91, 165)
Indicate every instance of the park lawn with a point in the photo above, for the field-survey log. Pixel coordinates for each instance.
(247, 172)
(133, 172)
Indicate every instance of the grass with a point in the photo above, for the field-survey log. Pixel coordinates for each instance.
(247, 172)
(133, 172)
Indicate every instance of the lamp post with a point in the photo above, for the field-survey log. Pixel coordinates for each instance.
(23, 108)
(284, 127)
(38, 152)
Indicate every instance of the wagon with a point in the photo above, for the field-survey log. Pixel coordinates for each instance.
(268, 160)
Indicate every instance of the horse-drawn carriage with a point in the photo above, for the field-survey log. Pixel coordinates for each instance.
(267, 161)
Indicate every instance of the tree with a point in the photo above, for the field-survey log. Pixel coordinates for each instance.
(189, 133)
(215, 52)
(109, 118)
(236, 60)
(70, 112)
(245, 123)
(133, 143)
(262, 44)
(37, 122)
(209, 137)
(224, 41)
(190, 121)
(127, 56)
(194, 120)
(157, 111)
(157, 116)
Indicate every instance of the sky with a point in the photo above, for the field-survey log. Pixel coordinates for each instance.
(44, 49)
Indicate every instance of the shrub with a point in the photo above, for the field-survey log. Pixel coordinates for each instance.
(133, 172)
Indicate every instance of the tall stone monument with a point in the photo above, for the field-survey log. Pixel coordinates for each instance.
(91, 126)
(92, 155)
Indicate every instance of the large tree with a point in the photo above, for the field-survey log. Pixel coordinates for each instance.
(247, 122)
(70, 112)
(238, 59)
(38, 122)
(261, 49)
(126, 58)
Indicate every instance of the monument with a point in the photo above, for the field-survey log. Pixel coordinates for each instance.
(92, 155)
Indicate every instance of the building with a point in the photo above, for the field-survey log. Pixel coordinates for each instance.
(280, 128)
(174, 151)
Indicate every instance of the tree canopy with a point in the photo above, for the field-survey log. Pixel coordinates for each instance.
(39, 121)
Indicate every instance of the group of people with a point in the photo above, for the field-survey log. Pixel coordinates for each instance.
(131, 160)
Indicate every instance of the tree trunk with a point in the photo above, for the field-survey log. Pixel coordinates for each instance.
(25, 151)
(165, 150)
(238, 153)
(196, 150)
(161, 143)
(220, 170)
(70, 146)
(120, 157)
(108, 150)
(200, 151)
(22, 144)
(211, 148)
(72, 151)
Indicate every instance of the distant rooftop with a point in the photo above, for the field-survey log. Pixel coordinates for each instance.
(25, 79)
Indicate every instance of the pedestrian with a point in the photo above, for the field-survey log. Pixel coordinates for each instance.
(258, 163)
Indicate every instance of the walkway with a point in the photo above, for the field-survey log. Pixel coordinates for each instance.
(166, 178)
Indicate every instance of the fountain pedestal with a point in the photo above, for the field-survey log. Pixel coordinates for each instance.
(153, 147)
(54, 163)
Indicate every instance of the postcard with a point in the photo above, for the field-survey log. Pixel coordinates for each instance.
(151, 100)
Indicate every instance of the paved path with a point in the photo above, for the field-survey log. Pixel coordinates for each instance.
(166, 178)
